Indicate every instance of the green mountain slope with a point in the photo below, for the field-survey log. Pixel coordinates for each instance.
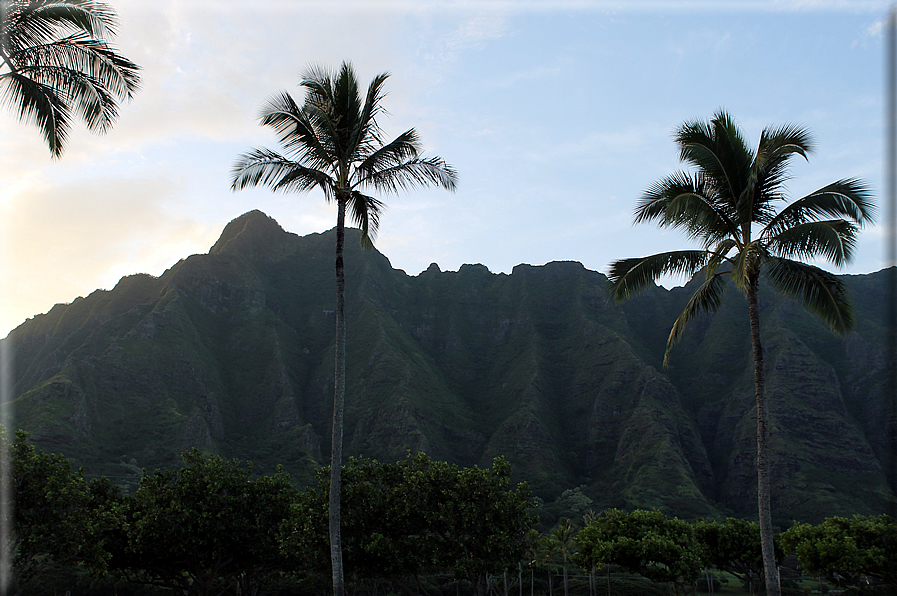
(232, 351)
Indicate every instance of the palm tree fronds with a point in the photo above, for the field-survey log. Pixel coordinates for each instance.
(707, 298)
(367, 133)
(630, 276)
(414, 173)
(820, 292)
(263, 167)
(777, 145)
(296, 130)
(60, 63)
(36, 22)
(720, 254)
(849, 198)
(686, 202)
(833, 239)
(404, 147)
(717, 149)
(365, 212)
(39, 104)
(95, 18)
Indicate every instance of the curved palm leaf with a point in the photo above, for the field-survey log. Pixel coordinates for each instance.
(57, 62)
(718, 150)
(687, 202)
(817, 290)
(365, 212)
(849, 199)
(833, 239)
(706, 298)
(38, 104)
(263, 167)
(631, 276)
(413, 173)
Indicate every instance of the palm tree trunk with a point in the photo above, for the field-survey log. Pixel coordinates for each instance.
(770, 568)
(339, 396)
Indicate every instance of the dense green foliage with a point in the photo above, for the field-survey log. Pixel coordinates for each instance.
(419, 517)
(204, 527)
(211, 526)
(55, 518)
(645, 542)
(734, 546)
(860, 552)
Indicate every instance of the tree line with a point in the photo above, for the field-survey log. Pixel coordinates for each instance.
(416, 526)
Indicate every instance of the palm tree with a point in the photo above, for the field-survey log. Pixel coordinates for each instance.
(562, 538)
(54, 61)
(332, 142)
(736, 207)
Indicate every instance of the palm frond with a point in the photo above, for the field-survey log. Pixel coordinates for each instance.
(630, 276)
(85, 74)
(39, 104)
(707, 298)
(263, 167)
(36, 22)
(686, 202)
(820, 292)
(97, 19)
(718, 150)
(778, 145)
(404, 147)
(60, 63)
(834, 240)
(719, 254)
(296, 131)
(413, 173)
(848, 198)
(365, 212)
(747, 261)
(770, 169)
(367, 134)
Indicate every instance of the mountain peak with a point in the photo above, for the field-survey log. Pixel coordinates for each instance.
(253, 234)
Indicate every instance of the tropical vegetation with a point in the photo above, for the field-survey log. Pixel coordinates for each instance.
(734, 204)
(56, 62)
(415, 526)
(333, 142)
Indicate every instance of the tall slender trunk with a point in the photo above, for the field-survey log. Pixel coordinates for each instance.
(339, 396)
(767, 544)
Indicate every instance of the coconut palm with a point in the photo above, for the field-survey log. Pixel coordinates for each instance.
(55, 61)
(735, 206)
(562, 537)
(333, 142)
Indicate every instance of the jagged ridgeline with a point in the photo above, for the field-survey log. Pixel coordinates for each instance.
(232, 352)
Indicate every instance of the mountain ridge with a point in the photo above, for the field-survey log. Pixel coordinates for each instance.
(231, 351)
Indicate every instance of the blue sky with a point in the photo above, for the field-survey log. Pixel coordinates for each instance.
(556, 115)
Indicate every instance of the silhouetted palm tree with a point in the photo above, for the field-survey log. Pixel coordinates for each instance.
(54, 61)
(735, 206)
(332, 142)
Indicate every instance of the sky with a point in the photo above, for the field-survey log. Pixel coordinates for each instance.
(557, 116)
